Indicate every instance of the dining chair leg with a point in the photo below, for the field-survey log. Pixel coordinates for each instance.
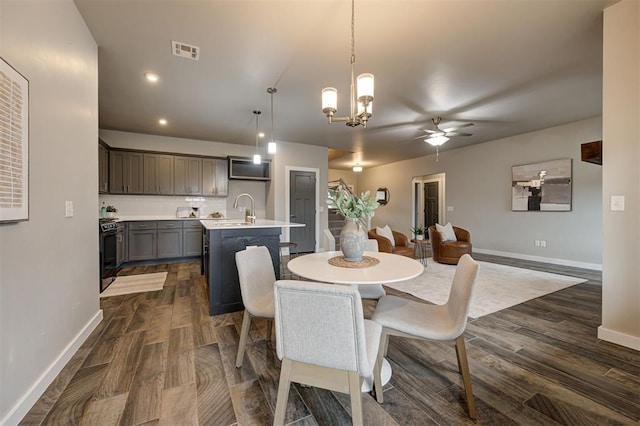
(463, 365)
(269, 329)
(283, 392)
(385, 338)
(355, 392)
(377, 369)
(377, 377)
(244, 333)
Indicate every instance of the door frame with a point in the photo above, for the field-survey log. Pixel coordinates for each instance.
(287, 197)
(418, 198)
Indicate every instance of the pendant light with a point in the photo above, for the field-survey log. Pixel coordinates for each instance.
(271, 146)
(256, 157)
(361, 100)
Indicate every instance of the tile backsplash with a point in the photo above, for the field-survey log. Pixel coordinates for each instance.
(137, 205)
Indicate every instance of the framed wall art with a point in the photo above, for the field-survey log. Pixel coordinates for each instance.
(14, 144)
(542, 186)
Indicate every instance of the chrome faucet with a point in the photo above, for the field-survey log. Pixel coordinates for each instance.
(252, 217)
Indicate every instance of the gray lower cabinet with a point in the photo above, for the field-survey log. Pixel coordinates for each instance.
(192, 239)
(169, 239)
(142, 241)
(162, 239)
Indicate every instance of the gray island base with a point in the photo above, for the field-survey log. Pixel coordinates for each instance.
(220, 244)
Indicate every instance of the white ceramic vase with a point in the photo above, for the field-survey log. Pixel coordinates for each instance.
(352, 240)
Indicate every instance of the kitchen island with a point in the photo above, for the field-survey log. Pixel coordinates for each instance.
(221, 240)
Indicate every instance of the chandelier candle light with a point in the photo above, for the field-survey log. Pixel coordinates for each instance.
(361, 101)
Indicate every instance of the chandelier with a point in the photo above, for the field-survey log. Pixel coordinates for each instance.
(361, 100)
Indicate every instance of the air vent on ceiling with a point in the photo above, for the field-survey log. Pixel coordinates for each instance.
(185, 50)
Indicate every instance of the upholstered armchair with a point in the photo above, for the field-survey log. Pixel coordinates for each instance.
(401, 243)
(449, 251)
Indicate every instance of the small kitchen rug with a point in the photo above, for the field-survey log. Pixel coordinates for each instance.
(128, 284)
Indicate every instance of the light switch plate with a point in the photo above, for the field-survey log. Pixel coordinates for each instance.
(68, 209)
(617, 203)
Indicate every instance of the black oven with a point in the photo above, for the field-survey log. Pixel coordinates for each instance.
(108, 252)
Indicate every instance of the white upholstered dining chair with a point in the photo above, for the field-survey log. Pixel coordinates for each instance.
(407, 318)
(257, 277)
(371, 291)
(323, 340)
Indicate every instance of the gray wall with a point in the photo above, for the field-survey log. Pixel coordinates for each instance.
(621, 175)
(478, 187)
(49, 265)
(301, 157)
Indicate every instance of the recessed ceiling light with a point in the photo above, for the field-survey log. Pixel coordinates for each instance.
(261, 135)
(162, 122)
(357, 169)
(152, 77)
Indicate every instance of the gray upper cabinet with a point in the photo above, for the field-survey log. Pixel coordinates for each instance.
(187, 176)
(215, 180)
(126, 172)
(103, 169)
(158, 174)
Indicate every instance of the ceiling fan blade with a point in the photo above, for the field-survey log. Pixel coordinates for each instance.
(457, 134)
(454, 128)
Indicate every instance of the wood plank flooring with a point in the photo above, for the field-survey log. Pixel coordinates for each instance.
(158, 358)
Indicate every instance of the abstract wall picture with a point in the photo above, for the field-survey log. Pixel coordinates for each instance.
(14, 145)
(542, 186)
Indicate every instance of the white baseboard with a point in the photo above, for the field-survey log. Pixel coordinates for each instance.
(22, 407)
(564, 262)
(618, 338)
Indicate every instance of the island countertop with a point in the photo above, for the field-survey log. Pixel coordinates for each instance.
(212, 224)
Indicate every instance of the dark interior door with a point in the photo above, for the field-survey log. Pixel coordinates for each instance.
(302, 204)
(430, 204)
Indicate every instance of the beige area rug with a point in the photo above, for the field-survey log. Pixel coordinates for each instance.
(498, 286)
(135, 284)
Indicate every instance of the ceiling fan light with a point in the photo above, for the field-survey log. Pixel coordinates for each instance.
(271, 147)
(329, 100)
(437, 140)
(365, 88)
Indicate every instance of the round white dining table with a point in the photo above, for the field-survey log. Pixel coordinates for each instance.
(391, 268)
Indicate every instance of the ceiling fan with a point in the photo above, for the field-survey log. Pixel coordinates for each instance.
(438, 136)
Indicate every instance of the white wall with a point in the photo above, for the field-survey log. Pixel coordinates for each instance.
(49, 273)
(621, 175)
(478, 188)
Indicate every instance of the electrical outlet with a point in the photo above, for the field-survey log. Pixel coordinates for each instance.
(536, 243)
(543, 243)
(68, 209)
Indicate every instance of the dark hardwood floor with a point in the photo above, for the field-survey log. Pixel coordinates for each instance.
(159, 358)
